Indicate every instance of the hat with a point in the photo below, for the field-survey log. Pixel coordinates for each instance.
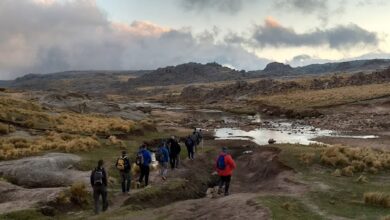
(224, 149)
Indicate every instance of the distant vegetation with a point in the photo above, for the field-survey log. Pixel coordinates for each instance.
(304, 99)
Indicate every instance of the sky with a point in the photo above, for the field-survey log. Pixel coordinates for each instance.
(44, 36)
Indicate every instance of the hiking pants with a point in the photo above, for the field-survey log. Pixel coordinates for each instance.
(98, 191)
(174, 159)
(163, 169)
(190, 151)
(144, 173)
(225, 180)
(126, 181)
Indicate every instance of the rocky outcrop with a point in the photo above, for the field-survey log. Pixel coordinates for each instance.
(186, 74)
(50, 170)
(276, 68)
(14, 198)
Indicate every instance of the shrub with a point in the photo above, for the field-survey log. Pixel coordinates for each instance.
(387, 217)
(79, 194)
(4, 129)
(307, 158)
(377, 199)
(347, 171)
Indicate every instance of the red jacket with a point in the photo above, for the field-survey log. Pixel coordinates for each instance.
(230, 165)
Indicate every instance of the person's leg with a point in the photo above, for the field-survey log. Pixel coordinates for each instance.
(227, 184)
(189, 152)
(128, 181)
(123, 181)
(221, 183)
(146, 175)
(96, 199)
(141, 176)
(171, 161)
(192, 153)
(165, 170)
(177, 161)
(104, 198)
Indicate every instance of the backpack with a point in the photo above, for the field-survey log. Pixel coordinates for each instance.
(140, 159)
(160, 155)
(120, 164)
(189, 142)
(98, 177)
(221, 165)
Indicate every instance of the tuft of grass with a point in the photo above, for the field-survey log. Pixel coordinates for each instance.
(79, 194)
(29, 214)
(377, 199)
(307, 158)
(362, 179)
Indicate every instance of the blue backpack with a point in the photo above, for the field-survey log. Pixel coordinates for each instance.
(221, 162)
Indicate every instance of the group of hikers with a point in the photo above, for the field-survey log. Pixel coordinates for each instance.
(168, 153)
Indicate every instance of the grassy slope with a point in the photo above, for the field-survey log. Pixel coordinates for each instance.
(329, 195)
(328, 97)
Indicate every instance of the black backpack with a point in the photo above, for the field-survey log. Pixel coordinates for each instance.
(98, 177)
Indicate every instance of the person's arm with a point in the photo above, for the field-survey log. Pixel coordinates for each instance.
(178, 148)
(92, 177)
(104, 177)
(231, 162)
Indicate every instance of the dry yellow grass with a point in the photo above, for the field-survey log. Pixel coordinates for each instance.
(362, 179)
(354, 160)
(31, 115)
(304, 99)
(307, 158)
(377, 199)
(12, 148)
(4, 129)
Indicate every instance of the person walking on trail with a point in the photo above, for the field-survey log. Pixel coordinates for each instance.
(124, 166)
(174, 152)
(99, 184)
(225, 166)
(190, 147)
(143, 160)
(162, 157)
(194, 138)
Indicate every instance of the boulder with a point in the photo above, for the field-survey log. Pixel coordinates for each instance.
(50, 170)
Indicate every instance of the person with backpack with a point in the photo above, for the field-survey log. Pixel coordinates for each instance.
(225, 166)
(174, 152)
(124, 166)
(144, 158)
(99, 184)
(190, 147)
(194, 138)
(162, 157)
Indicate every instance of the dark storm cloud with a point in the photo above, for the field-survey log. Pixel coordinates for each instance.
(225, 6)
(339, 37)
(76, 35)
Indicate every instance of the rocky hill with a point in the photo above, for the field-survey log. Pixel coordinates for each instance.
(185, 74)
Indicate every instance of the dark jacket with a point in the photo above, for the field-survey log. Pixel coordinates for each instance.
(163, 151)
(127, 164)
(189, 143)
(174, 148)
(92, 178)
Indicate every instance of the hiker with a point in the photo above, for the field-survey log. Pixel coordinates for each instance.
(225, 166)
(194, 138)
(199, 136)
(162, 157)
(124, 166)
(143, 160)
(99, 184)
(190, 147)
(174, 152)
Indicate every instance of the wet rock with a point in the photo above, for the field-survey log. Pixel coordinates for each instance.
(271, 141)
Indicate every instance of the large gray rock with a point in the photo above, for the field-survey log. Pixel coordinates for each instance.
(50, 170)
(14, 198)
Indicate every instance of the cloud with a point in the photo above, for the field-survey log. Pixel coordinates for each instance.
(320, 8)
(47, 36)
(304, 59)
(224, 6)
(273, 34)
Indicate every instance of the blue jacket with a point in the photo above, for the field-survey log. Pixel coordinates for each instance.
(165, 153)
(147, 157)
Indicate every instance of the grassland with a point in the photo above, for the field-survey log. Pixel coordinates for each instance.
(305, 99)
(329, 196)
